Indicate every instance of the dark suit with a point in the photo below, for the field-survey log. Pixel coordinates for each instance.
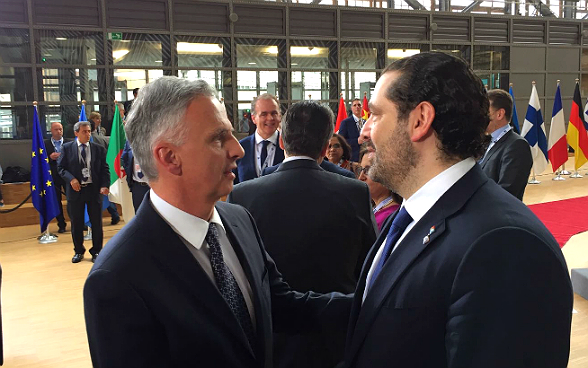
(57, 180)
(326, 165)
(349, 131)
(69, 167)
(509, 163)
(149, 303)
(318, 227)
(138, 189)
(127, 105)
(490, 288)
(246, 166)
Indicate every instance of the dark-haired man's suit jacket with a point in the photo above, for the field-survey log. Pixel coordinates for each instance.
(489, 287)
(349, 131)
(318, 227)
(509, 163)
(149, 303)
(246, 166)
(57, 180)
(326, 165)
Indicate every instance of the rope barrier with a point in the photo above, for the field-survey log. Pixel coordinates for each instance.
(18, 206)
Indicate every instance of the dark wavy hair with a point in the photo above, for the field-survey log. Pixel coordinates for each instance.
(457, 94)
(307, 128)
(346, 147)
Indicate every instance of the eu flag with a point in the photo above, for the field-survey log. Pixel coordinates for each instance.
(83, 113)
(42, 189)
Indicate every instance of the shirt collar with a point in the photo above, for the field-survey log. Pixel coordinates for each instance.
(423, 200)
(273, 138)
(193, 229)
(355, 118)
(57, 140)
(292, 158)
(496, 134)
(79, 143)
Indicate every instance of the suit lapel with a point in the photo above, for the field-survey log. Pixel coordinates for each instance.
(251, 160)
(495, 148)
(171, 252)
(422, 236)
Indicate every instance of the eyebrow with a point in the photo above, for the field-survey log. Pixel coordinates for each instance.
(219, 133)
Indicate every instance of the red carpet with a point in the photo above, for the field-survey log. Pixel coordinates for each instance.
(563, 218)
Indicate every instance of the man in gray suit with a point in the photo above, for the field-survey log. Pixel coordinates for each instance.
(508, 159)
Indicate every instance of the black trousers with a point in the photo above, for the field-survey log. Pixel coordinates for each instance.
(90, 196)
(138, 192)
(59, 185)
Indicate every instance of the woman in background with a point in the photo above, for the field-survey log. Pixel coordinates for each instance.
(339, 153)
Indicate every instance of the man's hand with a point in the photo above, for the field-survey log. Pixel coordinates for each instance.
(55, 155)
(75, 184)
(104, 191)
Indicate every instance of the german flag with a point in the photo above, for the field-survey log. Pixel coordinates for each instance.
(577, 135)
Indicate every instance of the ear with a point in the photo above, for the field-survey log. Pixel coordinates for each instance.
(167, 159)
(421, 121)
(500, 114)
(254, 118)
(281, 142)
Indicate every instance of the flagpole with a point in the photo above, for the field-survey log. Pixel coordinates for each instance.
(533, 178)
(563, 170)
(558, 176)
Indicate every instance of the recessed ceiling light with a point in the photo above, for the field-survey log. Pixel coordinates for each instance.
(61, 38)
(94, 59)
(159, 61)
(252, 63)
(294, 64)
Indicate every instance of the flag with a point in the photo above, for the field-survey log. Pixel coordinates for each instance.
(83, 113)
(515, 118)
(42, 189)
(341, 115)
(577, 136)
(119, 190)
(365, 109)
(534, 132)
(558, 145)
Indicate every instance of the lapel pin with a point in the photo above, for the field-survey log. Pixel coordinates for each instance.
(426, 239)
(431, 230)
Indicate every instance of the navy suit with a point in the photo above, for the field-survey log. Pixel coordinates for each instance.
(69, 167)
(326, 165)
(138, 189)
(509, 163)
(488, 288)
(149, 303)
(349, 131)
(246, 166)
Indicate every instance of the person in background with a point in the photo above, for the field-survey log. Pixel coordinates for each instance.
(53, 146)
(385, 202)
(351, 127)
(339, 153)
(96, 119)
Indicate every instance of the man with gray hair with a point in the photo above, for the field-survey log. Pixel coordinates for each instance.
(82, 165)
(188, 282)
(261, 148)
(328, 221)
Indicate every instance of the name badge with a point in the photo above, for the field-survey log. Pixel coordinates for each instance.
(86, 172)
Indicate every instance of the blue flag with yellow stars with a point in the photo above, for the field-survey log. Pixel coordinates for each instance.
(42, 189)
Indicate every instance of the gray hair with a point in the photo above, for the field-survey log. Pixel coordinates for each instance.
(157, 116)
(264, 96)
(80, 124)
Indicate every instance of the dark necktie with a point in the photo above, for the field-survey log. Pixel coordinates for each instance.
(264, 153)
(227, 285)
(399, 224)
(84, 163)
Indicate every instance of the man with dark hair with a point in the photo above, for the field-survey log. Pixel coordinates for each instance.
(53, 146)
(461, 274)
(261, 149)
(188, 281)
(508, 160)
(316, 225)
(351, 127)
(82, 165)
(128, 104)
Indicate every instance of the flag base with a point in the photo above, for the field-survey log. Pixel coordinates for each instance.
(558, 178)
(576, 175)
(47, 238)
(565, 172)
(534, 181)
(88, 236)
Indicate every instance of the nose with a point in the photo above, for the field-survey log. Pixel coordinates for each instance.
(236, 150)
(365, 134)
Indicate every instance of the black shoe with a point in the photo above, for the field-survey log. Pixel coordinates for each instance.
(61, 230)
(94, 256)
(77, 258)
(115, 221)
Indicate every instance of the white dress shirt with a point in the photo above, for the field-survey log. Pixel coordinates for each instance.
(88, 160)
(192, 230)
(423, 200)
(271, 151)
(292, 158)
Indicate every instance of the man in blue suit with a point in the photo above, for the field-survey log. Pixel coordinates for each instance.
(351, 127)
(261, 149)
(463, 274)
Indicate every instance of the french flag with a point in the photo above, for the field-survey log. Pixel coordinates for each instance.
(558, 144)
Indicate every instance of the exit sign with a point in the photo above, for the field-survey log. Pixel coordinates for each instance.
(115, 36)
